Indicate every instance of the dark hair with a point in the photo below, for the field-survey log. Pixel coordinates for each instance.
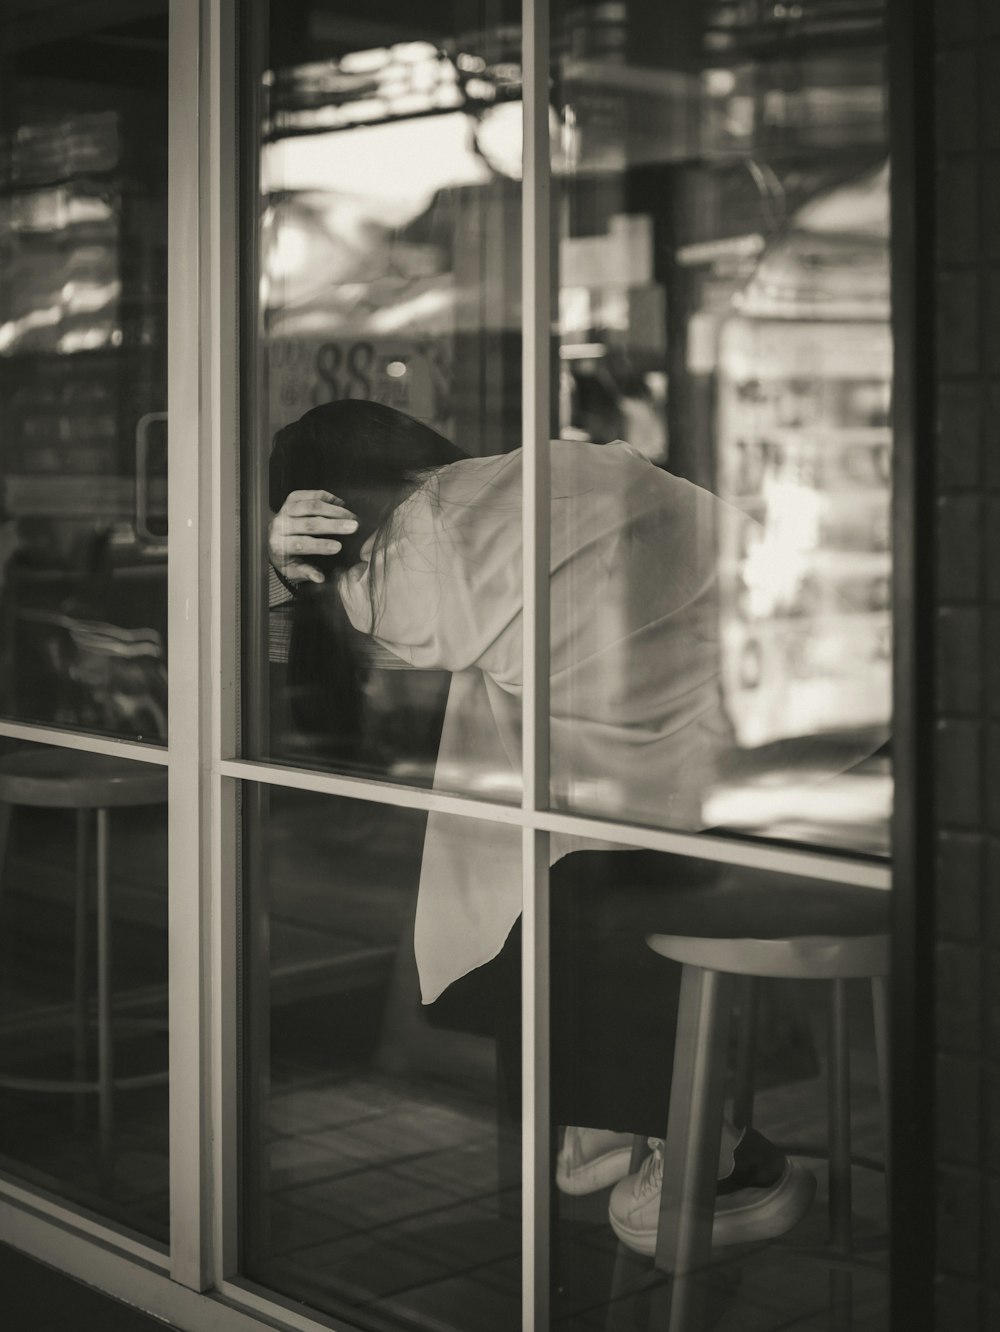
(371, 457)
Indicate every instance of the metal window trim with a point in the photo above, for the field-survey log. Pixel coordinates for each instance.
(364, 788)
(84, 741)
(100, 1230)
(832, 866)
(271, 1304)
(140, 1280)
(536, 391)
(911, 80)
(191, 1179)
(741, 853)
(220, 239)
(745, 853)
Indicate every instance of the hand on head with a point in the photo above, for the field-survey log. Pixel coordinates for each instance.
(307, 524)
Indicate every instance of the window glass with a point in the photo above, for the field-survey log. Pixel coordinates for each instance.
(381, 1175)
(83, 980)
(386, 385)
(718, 628)
(721, 632)
(83, 186)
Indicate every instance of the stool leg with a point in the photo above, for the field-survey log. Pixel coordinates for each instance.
(880, 1012)
(5, 813)
(691, 1149)
(839, 1089)
(746, 1050)
(841, 1206)
(80, 964)
(105, 1047)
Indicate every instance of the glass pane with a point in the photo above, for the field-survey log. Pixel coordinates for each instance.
(381, 1157)
(83, 980)
(83, 186)
(719, 636)
(721, 653)
(386, 383)
(781, 1072)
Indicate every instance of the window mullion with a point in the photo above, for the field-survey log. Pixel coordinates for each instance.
(536, 338)
(189, 1140)
(221, 240)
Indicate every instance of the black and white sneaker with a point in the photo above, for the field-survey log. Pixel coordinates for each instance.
(763, 1196)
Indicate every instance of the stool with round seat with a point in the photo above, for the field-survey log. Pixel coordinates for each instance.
(50, 777)
(760, 926)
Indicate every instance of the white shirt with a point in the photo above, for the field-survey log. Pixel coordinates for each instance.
(634, 689)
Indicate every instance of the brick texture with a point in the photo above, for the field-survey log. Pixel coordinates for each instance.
(967, 665)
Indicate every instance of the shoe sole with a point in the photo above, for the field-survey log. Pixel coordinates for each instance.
(600, 1173)
(744, 1217)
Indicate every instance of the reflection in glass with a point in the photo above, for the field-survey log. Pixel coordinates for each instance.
(389, 256)
(381, 1160)
(722, 210)
(83, 980)
(83, 372)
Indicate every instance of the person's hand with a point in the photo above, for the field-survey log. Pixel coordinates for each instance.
(307, 524)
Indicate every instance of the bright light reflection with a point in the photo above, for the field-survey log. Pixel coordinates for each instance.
(777, 561)
(400, 166)
(288, 251)
(364, 62)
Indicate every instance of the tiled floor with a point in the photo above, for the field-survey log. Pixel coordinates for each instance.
(397, 1218)
(384, 1205)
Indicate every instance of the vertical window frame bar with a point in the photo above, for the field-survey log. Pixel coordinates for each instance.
(910, 79)
(536, 406)
(221, 239)
(190, 1175)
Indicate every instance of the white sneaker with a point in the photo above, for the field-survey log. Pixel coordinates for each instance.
(592, 1159)
(763, 1196)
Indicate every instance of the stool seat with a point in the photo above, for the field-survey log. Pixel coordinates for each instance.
(811, 957)
(54, 777)
(759, 905)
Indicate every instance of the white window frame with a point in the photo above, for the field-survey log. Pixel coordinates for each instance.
(196, 1284)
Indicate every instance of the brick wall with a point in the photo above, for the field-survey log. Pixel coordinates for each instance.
(967, 667)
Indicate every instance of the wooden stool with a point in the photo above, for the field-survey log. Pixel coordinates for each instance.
(56, 778)
(756, 925)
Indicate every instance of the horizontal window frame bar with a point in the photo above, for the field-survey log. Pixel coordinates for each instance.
(830, 866)
(85, 741)
(366, 788)
(145, 1285)
(258, 1299)
(59, 1211)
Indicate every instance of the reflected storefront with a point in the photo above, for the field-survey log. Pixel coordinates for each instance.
(512, 891)
(83, 601)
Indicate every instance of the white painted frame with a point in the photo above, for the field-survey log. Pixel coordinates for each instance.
(197, 1285)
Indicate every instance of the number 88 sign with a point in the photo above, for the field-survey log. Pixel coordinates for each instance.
(409, 374)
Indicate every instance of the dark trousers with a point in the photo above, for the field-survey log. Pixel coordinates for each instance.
(613, 1000)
